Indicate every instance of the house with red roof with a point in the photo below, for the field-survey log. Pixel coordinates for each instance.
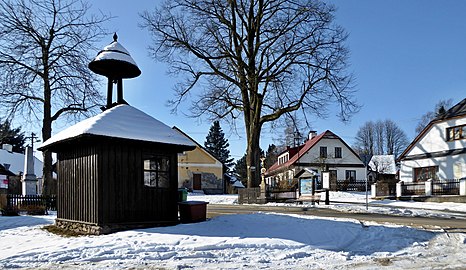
(325, 152)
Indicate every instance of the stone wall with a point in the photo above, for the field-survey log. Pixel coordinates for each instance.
(94, 229)
(81, 228)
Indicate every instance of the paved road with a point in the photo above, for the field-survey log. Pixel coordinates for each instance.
(456, 224)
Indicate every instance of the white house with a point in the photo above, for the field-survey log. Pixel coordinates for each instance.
(439, 151)
(14, 163)
(320, 153)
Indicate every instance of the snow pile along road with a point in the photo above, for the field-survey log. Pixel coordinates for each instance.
(233, 241)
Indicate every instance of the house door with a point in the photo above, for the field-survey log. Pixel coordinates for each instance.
(197, 182)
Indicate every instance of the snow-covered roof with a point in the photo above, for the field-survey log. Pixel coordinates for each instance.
(16, 161)
(115, 51)
(238, 184)
(115, 62)
(122, 121)
(383, 164)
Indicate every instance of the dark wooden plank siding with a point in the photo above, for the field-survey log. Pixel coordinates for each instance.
(125, 198)
(77, 182)
(101, 181)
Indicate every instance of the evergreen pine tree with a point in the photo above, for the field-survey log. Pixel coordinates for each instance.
(271, 155)
(12, 136)
(217, 145)
(240, 170)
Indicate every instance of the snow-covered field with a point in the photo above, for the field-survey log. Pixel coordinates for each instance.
(243, 241)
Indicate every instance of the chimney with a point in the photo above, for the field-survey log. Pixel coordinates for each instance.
(312, 134)
(7, 147)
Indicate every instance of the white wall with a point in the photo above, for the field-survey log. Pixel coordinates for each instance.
(446, 167)
(347, 157)
(435, 140)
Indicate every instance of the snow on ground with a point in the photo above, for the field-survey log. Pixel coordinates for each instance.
(356, 202)
(243, 241)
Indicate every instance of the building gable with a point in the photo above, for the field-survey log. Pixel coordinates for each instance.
(345, 155)
(434, 138)
(199, 155)
(309, 153)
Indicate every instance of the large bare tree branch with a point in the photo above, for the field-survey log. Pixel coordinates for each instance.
(44, 52)
(271, 57)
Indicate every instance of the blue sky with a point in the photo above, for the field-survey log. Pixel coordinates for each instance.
(406, 55)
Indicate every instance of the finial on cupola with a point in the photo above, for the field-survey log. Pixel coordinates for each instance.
(115, 63)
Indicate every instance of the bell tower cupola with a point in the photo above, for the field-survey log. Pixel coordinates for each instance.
(115, 63)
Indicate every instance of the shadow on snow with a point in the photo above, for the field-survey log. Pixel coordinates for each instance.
(11, 222)
(347, 236)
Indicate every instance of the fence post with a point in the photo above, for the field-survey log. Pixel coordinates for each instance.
(327, 196)
(399, 187)
(428, 187)
(8, 198)
(463, 187)
(374, 190)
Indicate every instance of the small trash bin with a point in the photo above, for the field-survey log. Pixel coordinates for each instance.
(182, 195)
(192, 211)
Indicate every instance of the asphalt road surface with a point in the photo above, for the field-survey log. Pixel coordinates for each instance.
(455, 224)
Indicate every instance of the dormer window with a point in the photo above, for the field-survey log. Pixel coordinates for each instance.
(456, 133)
(283, 158)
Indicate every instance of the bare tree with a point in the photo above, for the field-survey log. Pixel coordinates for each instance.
(381, 138)
(365, 139)
(44, 52)
(440, 107)
(379, 132)
(395, 138)
(255, 60)
(289, 131)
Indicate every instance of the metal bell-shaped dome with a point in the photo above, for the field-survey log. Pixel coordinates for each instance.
(115, 62)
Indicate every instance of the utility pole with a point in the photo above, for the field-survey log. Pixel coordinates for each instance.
(33, 139)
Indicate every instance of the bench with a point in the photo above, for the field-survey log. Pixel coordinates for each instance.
(308, 198)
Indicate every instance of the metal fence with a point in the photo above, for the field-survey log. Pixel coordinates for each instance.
(26, 201)
(446, 187)
(353, 185)
(415, 188)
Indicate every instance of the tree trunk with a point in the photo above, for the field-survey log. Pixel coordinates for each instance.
(253, 158)
(47, 178)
